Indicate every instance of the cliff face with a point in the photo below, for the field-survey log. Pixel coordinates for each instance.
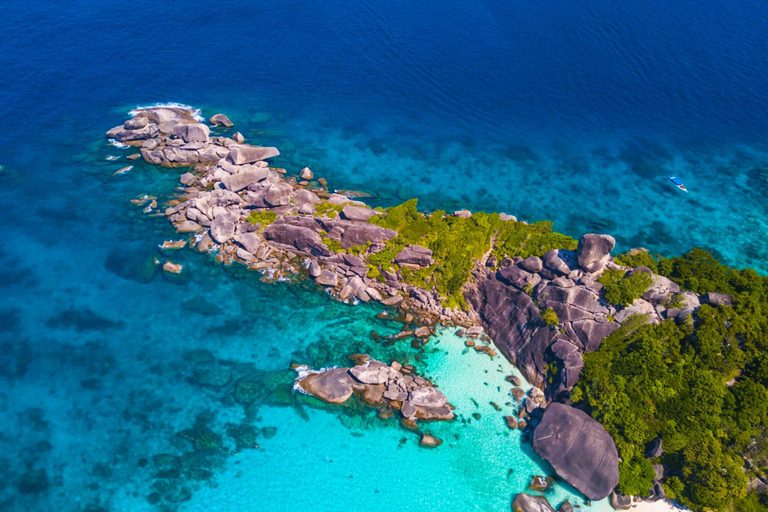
(512, 300)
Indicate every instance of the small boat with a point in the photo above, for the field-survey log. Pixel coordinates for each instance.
(676, 182)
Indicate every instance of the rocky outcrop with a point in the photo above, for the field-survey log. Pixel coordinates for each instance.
(334, 386)
(579, 449)
(415, 255)
(301, 238)
(380, 385)
(221, 120)
(594, 251)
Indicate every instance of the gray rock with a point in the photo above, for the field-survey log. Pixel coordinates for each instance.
(136, 123)
(658, 471)
(314, 268)
(188, 227)
(361, 232)
(506, 217)
(222, 229)
(192, 132)
(717, 299)
(621, 502)
(303, 239)
(187, 179)
(221, 120)
(532, 264)
(306, 174)
(639, 307)
(278, 194)
(427, 397)
(408, 410)
(654, 449)
(238, 137)
(661, 289)
(304, 196)
(242, 180)
(462, 213)
(239, 155)
(334, 386)
(373, 372)
(555, 263)
(594, 251)
(527, 503)
(357, 213)
(249, 241)
(327, 278)
(414, 255)
(579, 449)
(565, 507)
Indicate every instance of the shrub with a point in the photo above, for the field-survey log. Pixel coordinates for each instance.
(550, 317)
(622, 289)
(263, 217)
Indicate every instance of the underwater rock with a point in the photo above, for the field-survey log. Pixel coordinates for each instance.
(33, 481)
(135, 263)
(215, 377)
(430, 441)
(249, 389)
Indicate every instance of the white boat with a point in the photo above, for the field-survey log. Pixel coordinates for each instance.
(677, 183)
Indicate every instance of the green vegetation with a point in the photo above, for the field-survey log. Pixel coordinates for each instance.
(700, 386)
(457, 241)
(622, 289)
(264, 217)
(328, 209)
(332, 244)
(550, 317)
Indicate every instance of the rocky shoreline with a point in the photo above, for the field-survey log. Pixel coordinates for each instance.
(233, 204)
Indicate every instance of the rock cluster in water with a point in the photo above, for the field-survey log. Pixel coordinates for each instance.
(380, 385)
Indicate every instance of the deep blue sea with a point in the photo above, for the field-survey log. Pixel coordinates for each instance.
(572, 111)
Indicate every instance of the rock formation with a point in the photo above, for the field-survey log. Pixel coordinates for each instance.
(579, 449)
(380, 385)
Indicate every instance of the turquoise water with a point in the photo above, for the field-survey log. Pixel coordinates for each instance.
(572, 111)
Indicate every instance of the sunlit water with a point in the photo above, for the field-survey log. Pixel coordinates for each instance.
(574, 112)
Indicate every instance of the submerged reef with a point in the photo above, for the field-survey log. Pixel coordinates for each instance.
(545, 300)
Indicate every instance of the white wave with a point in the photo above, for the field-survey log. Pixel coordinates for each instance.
(302, 371)
(194, 112)
(118, 144)
(112, 157)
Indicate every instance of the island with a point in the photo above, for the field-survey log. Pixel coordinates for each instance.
(650, 373)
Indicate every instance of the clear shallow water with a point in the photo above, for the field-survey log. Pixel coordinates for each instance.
(574, 112)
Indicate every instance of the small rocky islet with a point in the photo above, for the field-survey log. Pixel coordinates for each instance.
(541, 311)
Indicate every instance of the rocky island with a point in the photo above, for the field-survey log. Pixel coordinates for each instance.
(546, 300)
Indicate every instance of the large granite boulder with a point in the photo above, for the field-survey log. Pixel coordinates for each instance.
(357, 233)
(192, 132)
(579, 449)
(241, 180)
(221, 119)
(415, 255)
(222, 229)
(358, 213)
(555, 263)
(373, 372)
(334, 386)
(527, 503)
(427, 397)
(303, 239)
(240, 155)
(595, 251)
